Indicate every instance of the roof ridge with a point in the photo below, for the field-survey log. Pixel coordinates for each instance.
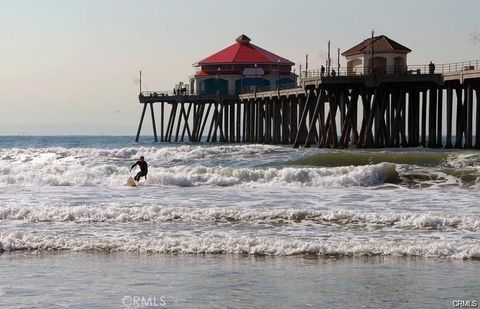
(382, 42)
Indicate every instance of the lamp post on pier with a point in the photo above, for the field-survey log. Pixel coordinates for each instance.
(255, 81)
(140, 81)
(371, 46)
(278, 74)
(329, 62)
(338, 61)
(218, 81)
(306, 65)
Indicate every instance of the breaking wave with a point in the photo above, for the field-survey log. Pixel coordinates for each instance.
(464, 249)
(232, 165)
(182, 166)
(115, 214)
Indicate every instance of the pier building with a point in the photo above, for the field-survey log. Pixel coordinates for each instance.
(241, 67)
(379, 54)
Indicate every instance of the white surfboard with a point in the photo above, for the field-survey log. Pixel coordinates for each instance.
(131, 182)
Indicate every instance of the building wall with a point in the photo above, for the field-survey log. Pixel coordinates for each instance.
(389, 63)
(235, 83)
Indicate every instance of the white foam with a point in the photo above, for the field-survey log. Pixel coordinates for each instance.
(186, 152)
(116, 214)
(346, 176)
(464, 160)
(15, 241)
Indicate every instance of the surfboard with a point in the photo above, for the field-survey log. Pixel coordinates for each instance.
(131, 182)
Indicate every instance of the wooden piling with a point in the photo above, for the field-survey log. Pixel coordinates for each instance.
(424, 118)
(141, 122)
(162, 120)
(449, 117)
(460, 119)
(477, 118)
(432, 118)
(439, 117)
(469, 115)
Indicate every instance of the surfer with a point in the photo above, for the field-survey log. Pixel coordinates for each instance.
(143, 169)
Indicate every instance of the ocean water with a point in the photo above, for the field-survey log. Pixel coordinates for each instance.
(235, 226)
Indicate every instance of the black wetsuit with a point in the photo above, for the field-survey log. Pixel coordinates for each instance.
(143, 170)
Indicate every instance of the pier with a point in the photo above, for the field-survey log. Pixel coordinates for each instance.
(365, 107)
(396, 110)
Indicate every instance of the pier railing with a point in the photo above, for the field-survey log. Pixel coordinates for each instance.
(164, 93)
(396, 70)
(249, 89)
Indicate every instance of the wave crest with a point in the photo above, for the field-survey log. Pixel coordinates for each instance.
(115, 214)
(16, 241)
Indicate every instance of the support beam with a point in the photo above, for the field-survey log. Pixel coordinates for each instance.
(477, 118)
(141, 122)
(182, 107)
(302, 130)
(238, 122)
(313, 120)
(332, 138)
(460, 119)
(439, 117)
(171, 122)
(154, 126)
(268, 121)
(232, 122)
(200, 133)
(432, 118)
(162, 121)
(449, 115)
(186, 125)
(469, 122)
(424, 118)
(371, 116)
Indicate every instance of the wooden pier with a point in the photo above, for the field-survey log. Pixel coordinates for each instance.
(373, 110)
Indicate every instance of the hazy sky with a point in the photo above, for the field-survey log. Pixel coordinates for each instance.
(69, 67)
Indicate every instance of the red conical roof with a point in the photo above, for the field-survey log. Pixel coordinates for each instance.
(244, 52)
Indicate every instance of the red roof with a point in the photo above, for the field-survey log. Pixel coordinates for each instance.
(244, 52)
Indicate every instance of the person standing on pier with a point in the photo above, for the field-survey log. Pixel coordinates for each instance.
(143, 169)
(322, 71)
(431, 68)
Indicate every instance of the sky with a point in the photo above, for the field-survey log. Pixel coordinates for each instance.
(71, 67)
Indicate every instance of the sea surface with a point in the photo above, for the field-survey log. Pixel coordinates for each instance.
(235, 226)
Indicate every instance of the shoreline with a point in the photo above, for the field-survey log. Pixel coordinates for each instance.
(52, 279)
